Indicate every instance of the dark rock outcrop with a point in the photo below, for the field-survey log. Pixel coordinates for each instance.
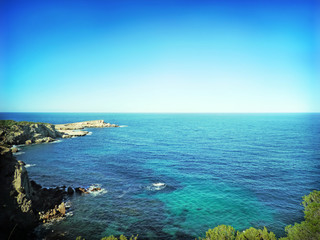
(70, 191)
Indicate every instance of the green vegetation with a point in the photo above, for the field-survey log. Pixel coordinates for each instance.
(224, 232)
(308, 229)
(113, 238)
(221, 232)
(120, 238)
(10, 123)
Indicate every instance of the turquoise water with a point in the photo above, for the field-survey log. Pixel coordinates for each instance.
(173, 176)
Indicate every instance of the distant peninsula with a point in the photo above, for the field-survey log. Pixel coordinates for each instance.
(24, 204)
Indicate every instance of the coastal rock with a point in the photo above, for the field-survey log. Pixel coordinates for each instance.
(24, 203)
(95, 189)
(21, 199)
(70, 191)
(44, 140)
(53, 214)
(73, 133)
(86, 124)
(14, 149)
(14, 133)
(81, 190)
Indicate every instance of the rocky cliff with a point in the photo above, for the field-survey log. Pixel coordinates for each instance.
(14, 133)
(23, 203)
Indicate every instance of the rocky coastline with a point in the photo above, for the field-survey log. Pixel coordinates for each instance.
(24, 204)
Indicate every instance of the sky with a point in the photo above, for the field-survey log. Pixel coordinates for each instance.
(160, 56)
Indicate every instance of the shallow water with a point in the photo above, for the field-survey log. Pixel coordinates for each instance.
(173, 176)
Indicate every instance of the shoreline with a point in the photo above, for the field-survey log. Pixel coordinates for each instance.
(25, 204)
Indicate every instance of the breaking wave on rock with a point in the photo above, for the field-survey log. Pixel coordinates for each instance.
(29, 165)
(96, 190)
(156, 186)
(17, 153)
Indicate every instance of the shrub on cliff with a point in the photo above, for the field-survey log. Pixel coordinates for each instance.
(256, 234)
(10, 123)
(120, 238)
(223, 232)
(310, 228)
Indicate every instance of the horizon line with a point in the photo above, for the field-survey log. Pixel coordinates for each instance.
(161, 112)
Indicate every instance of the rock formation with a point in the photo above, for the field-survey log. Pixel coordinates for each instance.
(86, 124)
(24, 203)
(17, 133)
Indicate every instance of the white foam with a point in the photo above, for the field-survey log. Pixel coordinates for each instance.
(18, 153)
(67, 204)
(56, 141)
(156, 186)
(96, 193)
(123, 126)
(29, 165)
(121, 195)
(69, 214)
(89, 133)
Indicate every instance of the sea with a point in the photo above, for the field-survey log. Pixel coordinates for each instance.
(174, 176)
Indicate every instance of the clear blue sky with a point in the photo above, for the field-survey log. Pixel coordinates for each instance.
(160, 56)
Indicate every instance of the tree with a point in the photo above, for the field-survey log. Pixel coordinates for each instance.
(256, 234)
(310, 228)
(221, 232)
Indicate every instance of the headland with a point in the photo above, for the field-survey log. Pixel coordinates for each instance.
(24, 204)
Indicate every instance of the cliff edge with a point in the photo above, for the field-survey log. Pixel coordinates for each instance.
(24, 203)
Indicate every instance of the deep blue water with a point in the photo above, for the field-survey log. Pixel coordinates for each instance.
(237, 169)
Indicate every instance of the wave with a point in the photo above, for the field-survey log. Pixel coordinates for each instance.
(89, 133)
(94, 192)
(156, 186)
(18, 153)
(57, 141)
(123, 126)
(29, 165)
